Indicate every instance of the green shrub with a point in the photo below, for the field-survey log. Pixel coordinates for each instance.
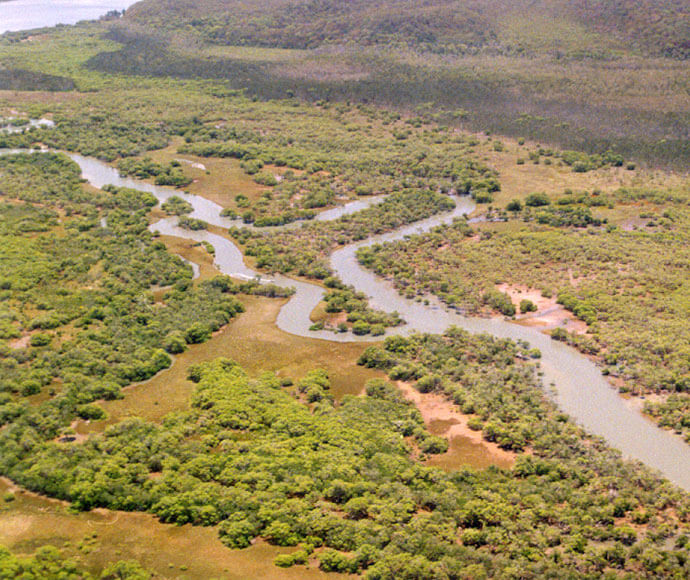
(40, 339)
(90, 412)
(537, 200)
(473, 537)
(360, 327)
(433, 445)
(499, 301)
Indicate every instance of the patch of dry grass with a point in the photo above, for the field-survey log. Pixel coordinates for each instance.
(100, 537)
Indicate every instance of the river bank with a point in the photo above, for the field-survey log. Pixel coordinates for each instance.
(576, 382)
(578, 385)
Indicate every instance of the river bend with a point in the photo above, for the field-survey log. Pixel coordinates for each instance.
(578, 386)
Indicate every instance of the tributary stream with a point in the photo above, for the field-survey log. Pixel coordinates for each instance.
(578, 386)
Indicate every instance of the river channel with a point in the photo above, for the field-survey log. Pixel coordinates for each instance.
(574, 381)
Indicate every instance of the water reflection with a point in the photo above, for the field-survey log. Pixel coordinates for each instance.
(29, 14)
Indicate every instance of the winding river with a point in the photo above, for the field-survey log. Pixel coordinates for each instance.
(579, 388)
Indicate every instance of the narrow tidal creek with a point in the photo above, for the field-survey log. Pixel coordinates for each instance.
(578, 386)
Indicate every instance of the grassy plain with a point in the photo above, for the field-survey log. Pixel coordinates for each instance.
(254, 341)
(520, 180)
(220, 180)
(99, 537)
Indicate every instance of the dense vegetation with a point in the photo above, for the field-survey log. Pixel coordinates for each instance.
(170, 174)
(121, 135)
(78, 319)
(445, 26)
(91, 301)
(672, 412)
(612, 277)
(308, 170)
(312, 168)
(520, 418)
(562, 72)
(80, 296)
(176, 206)
(26, 80)
(333, 153)
(304, 251)
(48, 562)
(286, 464)
(340, 298)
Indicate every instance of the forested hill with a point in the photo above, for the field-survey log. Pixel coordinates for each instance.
(585, 27)
(591, 75)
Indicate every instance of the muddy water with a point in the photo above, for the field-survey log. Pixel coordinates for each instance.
(578, 386)
(100, 174)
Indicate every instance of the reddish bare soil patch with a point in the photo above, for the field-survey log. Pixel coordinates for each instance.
(444, 419)
(22, 342)
(549, 313)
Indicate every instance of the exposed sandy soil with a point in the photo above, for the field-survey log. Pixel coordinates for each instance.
(549, 313)
(22, 342)
(336, 319)
(437, 409)
(633, 224)
(194, 164)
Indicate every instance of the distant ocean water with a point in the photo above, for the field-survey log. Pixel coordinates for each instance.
(27, 14)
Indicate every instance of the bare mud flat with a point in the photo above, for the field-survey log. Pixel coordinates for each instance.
(467, 447)
(549, 313)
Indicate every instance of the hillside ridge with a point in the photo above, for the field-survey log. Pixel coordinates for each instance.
(589, 27)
